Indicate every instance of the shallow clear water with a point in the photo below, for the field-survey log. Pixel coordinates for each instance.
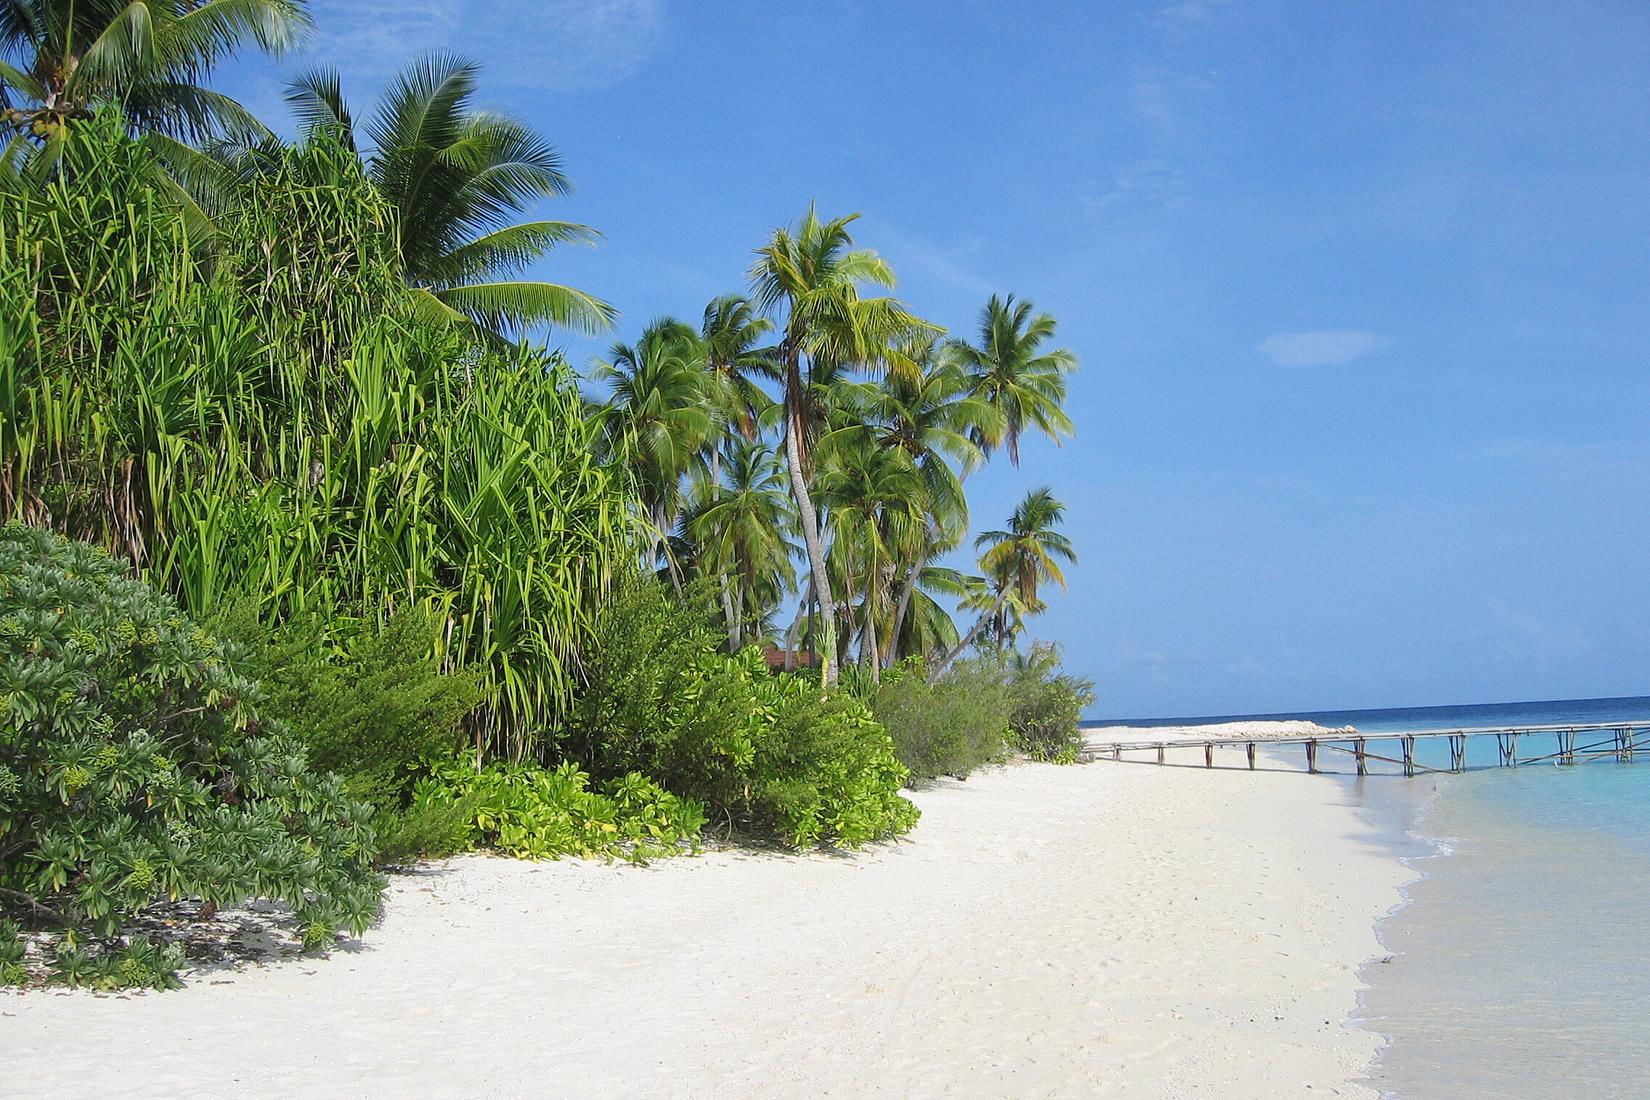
(1519, 966)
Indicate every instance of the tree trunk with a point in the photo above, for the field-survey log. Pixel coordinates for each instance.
(871, 640)
(727, 595)
(968, 639)
(816, 547)
(903, 608)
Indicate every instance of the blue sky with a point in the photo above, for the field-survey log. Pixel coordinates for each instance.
(1361, 291)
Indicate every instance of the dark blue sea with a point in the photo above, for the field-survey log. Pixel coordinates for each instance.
(1518, 966)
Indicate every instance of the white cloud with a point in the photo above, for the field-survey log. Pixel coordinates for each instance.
(536, 45)
(1327, 348)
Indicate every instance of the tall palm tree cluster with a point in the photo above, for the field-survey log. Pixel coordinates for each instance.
(807, 441)
(819, 422)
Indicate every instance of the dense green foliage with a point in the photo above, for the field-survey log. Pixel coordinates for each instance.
(1048, 704)
(982, 708)
(762, 751)
(544, 813)
(271, 420)
(371, 703)
(369, 708)
(136, 764)
(951, 726)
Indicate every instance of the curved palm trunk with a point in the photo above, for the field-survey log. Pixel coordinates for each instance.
(815, 544)
(968, 639)
(728, 612)
(902, 609)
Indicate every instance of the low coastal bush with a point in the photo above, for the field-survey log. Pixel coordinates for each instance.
(370, 703)
(136, 764)
(533, 812)
(1048, 704)
(762, 751)
(949, 727)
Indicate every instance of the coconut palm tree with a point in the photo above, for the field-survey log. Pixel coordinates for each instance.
(739, 529)
(812, 277)
(930, 411)
(731, 334)
(458, 177)
(1018, 561)
(657, 419)
(875, 498)
(1012, 371)
(60, 59)
(927, 629)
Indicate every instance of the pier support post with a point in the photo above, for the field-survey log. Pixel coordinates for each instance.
(1512, 750)
(1409, 757)
(1312, 757)
(1457, 752)
(1250, 750)
(1363, 764)
(1160, 754)
(1117, 752)
(1208, 754)
(1627, 738)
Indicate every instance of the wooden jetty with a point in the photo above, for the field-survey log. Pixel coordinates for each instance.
(1571, 744)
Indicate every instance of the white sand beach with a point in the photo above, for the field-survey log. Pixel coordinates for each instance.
(1101, 930)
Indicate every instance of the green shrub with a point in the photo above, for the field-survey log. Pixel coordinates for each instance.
(136, 764)
(763, 751)
(825, 769)
(1047, 705)
(269, 414)
(950, 727)
(532, 812)
(369, 706)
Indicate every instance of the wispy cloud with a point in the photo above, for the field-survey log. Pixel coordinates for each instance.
(1326, 348)
(950, 263)
(1173, 100)
(534, 45)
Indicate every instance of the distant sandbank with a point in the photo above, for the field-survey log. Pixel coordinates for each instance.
(1098, 930)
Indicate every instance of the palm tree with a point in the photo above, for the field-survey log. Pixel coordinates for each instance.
(813, 275)
(59, 59)
(1010, 370)
(928, 628)
(457, 177)
(930, 411)
(658, 418)
(1018, 561)
(731, 333)
(738, 528)
(875, 498)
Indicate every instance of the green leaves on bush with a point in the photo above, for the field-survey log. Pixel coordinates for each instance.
(949, 727)
(369, 702)
(532, 812)
(983, 707)
(764, 751)
(1048, 705)
(135, 764)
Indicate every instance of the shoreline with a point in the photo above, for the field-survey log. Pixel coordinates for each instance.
(1101, 929)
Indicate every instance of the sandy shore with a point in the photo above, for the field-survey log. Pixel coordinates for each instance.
(1251, 730)
(1104, 930)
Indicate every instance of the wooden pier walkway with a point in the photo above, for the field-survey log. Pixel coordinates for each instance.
(1574, 744)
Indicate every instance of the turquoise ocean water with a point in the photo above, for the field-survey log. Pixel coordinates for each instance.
(1518, 966)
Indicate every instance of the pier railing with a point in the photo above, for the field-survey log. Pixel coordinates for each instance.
(1571, 744)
